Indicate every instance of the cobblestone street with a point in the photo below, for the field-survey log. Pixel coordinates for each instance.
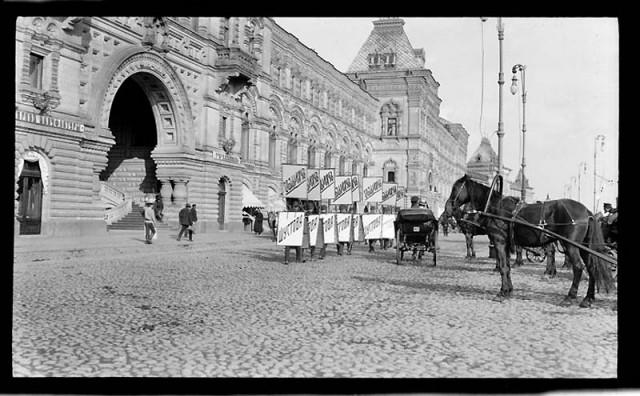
(120, 308)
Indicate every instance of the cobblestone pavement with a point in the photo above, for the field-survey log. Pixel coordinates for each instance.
(115, 307)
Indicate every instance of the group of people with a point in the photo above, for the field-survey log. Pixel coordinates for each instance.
(341, 247)
(152, 212)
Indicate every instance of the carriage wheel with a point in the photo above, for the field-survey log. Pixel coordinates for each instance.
(399, 242)
(536, 255)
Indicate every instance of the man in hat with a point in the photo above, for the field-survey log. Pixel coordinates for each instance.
(149, 222)
(415, 201)
(184, 216)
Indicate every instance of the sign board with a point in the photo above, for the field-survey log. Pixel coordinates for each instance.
(327, 180)
(342, 191)
(372, 225)
(294, 180)
(314, 221)
(400, 196)
(389, 191)
(356, 225)
(388, 230)
(313, 184)
(355, 188)
(372, 189)
(290, 228)
(344, 227)
(329, 220)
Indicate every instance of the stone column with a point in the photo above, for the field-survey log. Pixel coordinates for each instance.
(166, 191)
(180, 194)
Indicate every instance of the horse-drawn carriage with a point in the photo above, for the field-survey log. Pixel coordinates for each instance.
(416, 230)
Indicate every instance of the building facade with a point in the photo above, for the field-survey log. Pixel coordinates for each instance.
(413, 145)
(109, 109)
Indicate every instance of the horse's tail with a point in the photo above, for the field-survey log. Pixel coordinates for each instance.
(599, 267)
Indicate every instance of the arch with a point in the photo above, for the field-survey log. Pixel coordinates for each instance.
(35, 148)
(166, 93)
(42, 160)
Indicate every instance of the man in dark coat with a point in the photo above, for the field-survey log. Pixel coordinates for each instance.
(194, 219)
(184, 216)
(257, 223)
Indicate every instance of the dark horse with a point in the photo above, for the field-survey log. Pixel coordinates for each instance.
(565, 217)
(467, 222)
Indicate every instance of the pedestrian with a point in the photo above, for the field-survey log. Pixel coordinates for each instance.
(257, 223)
(194, 221)
(158, 207)
(272, 221)
(184, 216)
(341, 245)
(320, 237)
(149, 222)
(247, 219)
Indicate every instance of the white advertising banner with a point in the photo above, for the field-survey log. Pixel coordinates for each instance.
(388, 231)
(290, 228)
(355, 188)
(313, 184)
(389, 191)
(400, 197)
(329, 220)
(344, 227)
(314, 221)
(327, 180)
(372, 189)
(372, 225)
(342, 191)
(355, 224)
(294, 180)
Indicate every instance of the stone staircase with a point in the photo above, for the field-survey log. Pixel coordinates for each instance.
(134, 221)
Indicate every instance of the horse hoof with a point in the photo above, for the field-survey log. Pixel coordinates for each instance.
(567, 302)
(586, 302)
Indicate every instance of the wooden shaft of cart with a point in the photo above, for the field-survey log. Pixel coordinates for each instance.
(553, 234)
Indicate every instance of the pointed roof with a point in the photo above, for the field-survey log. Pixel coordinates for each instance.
(388, 36)
(484, 153)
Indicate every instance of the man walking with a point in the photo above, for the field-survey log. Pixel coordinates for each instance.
(194, 219)
(184, 216)
(149, 222)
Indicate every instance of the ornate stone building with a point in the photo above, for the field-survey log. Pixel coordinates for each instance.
(108, 109)
(413, 145)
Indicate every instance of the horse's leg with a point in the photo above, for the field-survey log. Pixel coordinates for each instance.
(551, 261)
(577, 265)
(502, 261)
(518, 261)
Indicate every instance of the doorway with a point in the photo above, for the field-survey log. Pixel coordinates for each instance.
(30, 199)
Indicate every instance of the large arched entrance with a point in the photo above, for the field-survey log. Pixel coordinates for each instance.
(130, 168)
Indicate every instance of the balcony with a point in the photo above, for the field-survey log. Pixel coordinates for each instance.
(235, 60)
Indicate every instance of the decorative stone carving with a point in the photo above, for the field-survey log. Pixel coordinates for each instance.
(156, 33)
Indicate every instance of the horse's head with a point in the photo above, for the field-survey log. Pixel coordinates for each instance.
(459, 195)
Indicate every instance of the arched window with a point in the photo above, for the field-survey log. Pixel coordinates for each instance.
(292, 151)
(431, 186)
(389, 171)
(354, 168)
(365, 171)
(311, 157)
(341, 165)
(272, 148)
(327, 159)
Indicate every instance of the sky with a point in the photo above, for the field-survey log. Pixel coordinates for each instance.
(572, 89)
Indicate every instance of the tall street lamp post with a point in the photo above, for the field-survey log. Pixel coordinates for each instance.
(595, 152)
(582, 167)
(500, 28)
(514, 90)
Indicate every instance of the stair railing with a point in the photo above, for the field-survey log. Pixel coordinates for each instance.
(111, 194)
(118, 212)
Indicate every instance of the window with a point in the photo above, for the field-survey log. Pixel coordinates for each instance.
(354, 168)
(224, 31)
(392, 126)
(365, 171)
(293, 152)
(311, 157)
(391, 176)
(223, 127)
(272, 148)
(36, 63)
(341, 166)
(244, 141)
(327, 159)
